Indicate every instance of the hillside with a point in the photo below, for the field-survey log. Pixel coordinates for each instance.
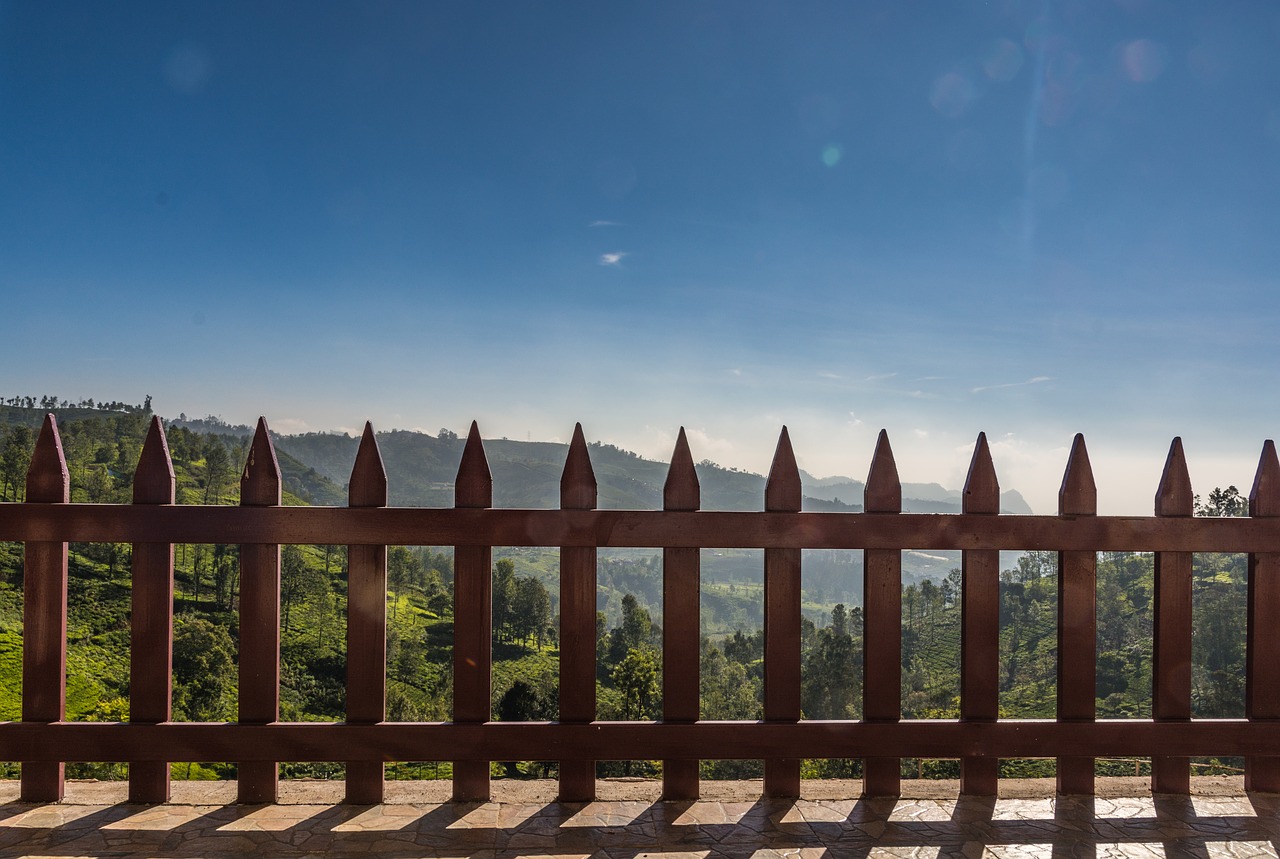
(527, 474)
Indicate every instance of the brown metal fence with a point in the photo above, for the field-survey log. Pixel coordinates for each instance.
(46, 522)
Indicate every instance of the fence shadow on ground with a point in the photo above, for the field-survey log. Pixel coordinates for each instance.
(1172, 826)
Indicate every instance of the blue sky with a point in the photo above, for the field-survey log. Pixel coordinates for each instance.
(1029, 219)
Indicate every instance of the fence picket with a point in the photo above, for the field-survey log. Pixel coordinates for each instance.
(366, 621)
(681, 641)
(472, 619)
(577, 621)
(151, 647)
(259, 619)
(44, 614)
(1171, 649)
(882, 621)
(980, 623)
(782, 492)
(1262, 653)
(1077, 619)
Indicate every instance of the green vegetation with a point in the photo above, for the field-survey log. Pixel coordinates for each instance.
(102, 444)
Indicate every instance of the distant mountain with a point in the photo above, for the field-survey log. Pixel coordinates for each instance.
(527, 474)
(916, 497)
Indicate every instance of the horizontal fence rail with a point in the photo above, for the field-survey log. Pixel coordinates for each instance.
(46, 522)
(710, 740)
(615, 529)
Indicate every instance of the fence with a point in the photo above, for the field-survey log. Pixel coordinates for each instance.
(46, 522)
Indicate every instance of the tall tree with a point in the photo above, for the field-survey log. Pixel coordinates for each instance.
(504, 595)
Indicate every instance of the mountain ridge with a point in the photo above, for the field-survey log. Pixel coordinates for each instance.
(527, 474)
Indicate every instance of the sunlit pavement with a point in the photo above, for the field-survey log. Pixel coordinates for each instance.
(201, 821)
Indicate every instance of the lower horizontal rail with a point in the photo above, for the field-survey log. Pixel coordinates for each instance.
(497, 741)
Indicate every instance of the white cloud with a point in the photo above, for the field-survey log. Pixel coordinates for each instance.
(614, 259)
(604, 224)
(879, 378)
(1034, 380)
(825, 374)
(657, 443)
(289, 426)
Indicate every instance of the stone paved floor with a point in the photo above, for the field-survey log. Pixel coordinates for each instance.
(1235, 825)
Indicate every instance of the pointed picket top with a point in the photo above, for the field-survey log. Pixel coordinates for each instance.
(1078, 495)
(48, 481)
(782, 492)
(153, 480)
(1264, 498)
(260, 483)
(883, 492)
(981, 488)
(681, 491)
(1173, 497)
(368, 484)
(473, 487)
(578, 481)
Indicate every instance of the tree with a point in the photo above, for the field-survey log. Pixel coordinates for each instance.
(298, 581)
(729, 692)
(14, 459)
(1223, 502)
(403, 569)
(832, 674)
(99, 485)
(203, 671)
(531, 610)
(637, 679)
(226, 572)
(1033, 566)
(217, 468)
(504, 595)
(635, 630)
(839, 620)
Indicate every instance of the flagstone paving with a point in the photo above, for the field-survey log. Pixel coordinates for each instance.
(95, 822)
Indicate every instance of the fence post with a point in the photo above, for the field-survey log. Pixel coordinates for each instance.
(366, 621)
(577, 620)
(882, 622)
(681, 639)
(259, 620)
(1262, 653)
(44, 615)
(1171, 651)
(980, 624)
(151, 650)
(782, 494)
(472, 620)
(1077, 620)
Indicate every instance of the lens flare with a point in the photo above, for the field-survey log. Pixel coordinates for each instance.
(1143, 60)
(1002, 60)
(952, 94)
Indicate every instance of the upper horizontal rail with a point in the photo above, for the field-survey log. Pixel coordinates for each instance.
(124, 523)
